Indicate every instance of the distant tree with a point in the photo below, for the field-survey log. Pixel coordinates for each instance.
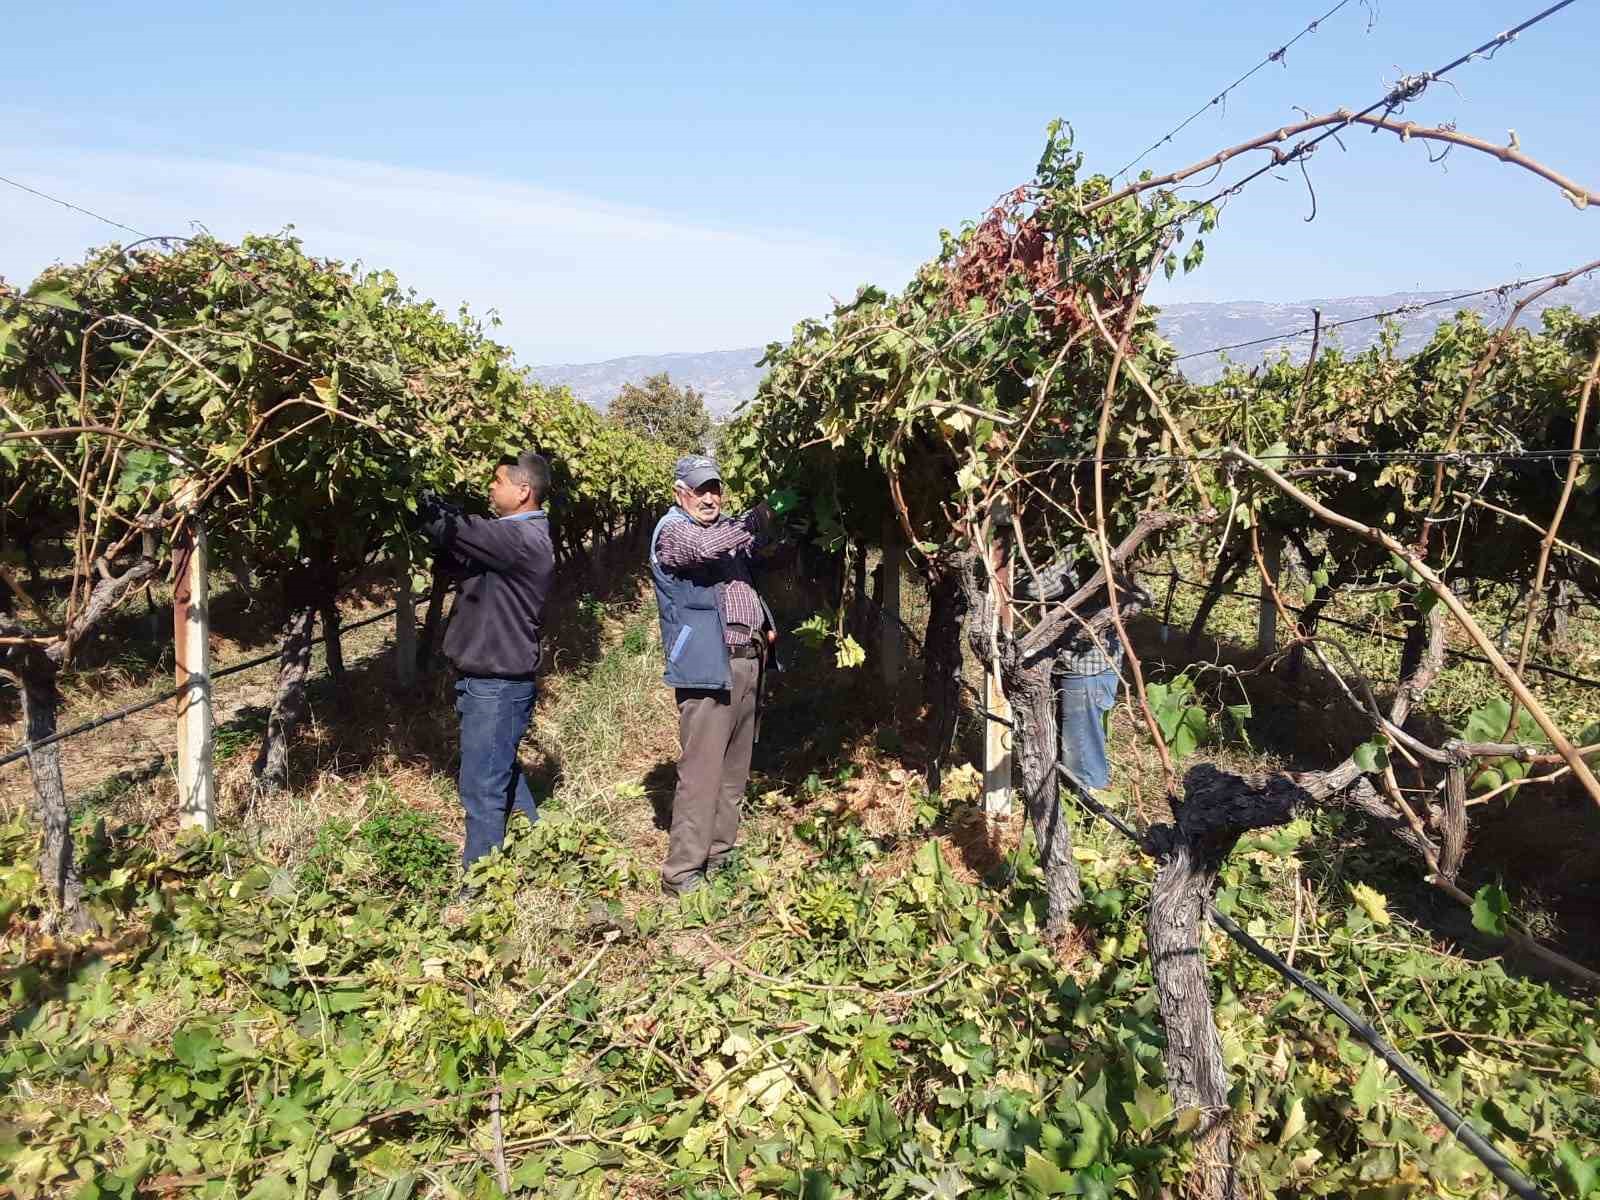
(663, 412)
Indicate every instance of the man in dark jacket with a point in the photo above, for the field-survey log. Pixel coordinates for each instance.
(504, 566)
(716, 632)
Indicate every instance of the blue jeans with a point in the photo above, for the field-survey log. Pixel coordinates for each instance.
(1083, 702)
(494, 715)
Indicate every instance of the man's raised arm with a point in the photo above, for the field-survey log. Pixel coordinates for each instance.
(684, 544)
(493, 543)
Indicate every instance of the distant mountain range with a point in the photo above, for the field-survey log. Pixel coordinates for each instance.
(729, 377)
(1196, 327)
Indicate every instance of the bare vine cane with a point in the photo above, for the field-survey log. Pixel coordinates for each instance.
(1406, 131)
(1451, 601)
(1102, 544)
(1547, 542)
(1480, 370)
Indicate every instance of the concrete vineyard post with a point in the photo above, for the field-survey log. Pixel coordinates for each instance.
(191, 636)
(997, 719)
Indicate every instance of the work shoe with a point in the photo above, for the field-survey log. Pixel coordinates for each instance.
(460, 905)
(731, 861)
(693, 884)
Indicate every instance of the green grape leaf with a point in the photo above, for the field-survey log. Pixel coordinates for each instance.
(1490, 907)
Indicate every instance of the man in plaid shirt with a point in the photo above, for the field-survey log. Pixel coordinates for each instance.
(716, 632)
(1087, 673)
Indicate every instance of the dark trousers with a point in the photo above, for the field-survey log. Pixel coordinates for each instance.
(494, 715)
(716, 731)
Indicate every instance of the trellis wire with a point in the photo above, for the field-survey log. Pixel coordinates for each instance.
(1465, 655)
(1276, 56)
(122, 714)
(1358, 457)
(1405, 91)
(78, 208)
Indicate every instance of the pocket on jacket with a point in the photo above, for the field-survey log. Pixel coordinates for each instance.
(678, 643)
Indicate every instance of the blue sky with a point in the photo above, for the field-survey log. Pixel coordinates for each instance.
(640, 178)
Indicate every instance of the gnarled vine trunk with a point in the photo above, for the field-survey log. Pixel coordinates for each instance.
(1196, 1075)
(1215, 811)
(1416, 638)
(858, 619)
(333, 643)
(433, 618)
(1310, 563)
(1227, 567)
(1035, 746)
(35, 669)
(309, 588)
(1553, 625)
(294, 667)
(58, 869)
(941, 664)
(1030, 689)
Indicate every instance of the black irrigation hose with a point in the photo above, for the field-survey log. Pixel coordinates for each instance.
(1467, 655)
(123, 713)
(1398, 1063)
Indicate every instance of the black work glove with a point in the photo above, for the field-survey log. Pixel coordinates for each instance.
(431, 507)
(764, 518)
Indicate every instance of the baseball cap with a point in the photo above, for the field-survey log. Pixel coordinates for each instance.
(696, 470)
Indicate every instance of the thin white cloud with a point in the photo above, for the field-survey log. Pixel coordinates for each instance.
(572, 278)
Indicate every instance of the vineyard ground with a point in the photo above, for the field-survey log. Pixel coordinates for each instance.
(839, 964)
(1544, 844)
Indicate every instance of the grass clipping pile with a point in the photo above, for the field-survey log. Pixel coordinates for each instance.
(842, 1014)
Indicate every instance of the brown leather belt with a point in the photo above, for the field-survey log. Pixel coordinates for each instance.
(749, 649)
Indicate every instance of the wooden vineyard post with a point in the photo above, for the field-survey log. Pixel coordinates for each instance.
(405, 625)
(891, 651)
(1267, 613)
(191, 639)
(997, 710)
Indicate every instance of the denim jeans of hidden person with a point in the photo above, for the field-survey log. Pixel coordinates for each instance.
(1083, 702)
(494, 715)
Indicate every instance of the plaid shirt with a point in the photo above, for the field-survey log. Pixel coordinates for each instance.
(1084, 653)
(685, 545)
(1083, 656)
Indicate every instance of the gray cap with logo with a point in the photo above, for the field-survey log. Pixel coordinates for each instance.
(696, 470)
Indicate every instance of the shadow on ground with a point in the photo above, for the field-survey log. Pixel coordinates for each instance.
(368, 719)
